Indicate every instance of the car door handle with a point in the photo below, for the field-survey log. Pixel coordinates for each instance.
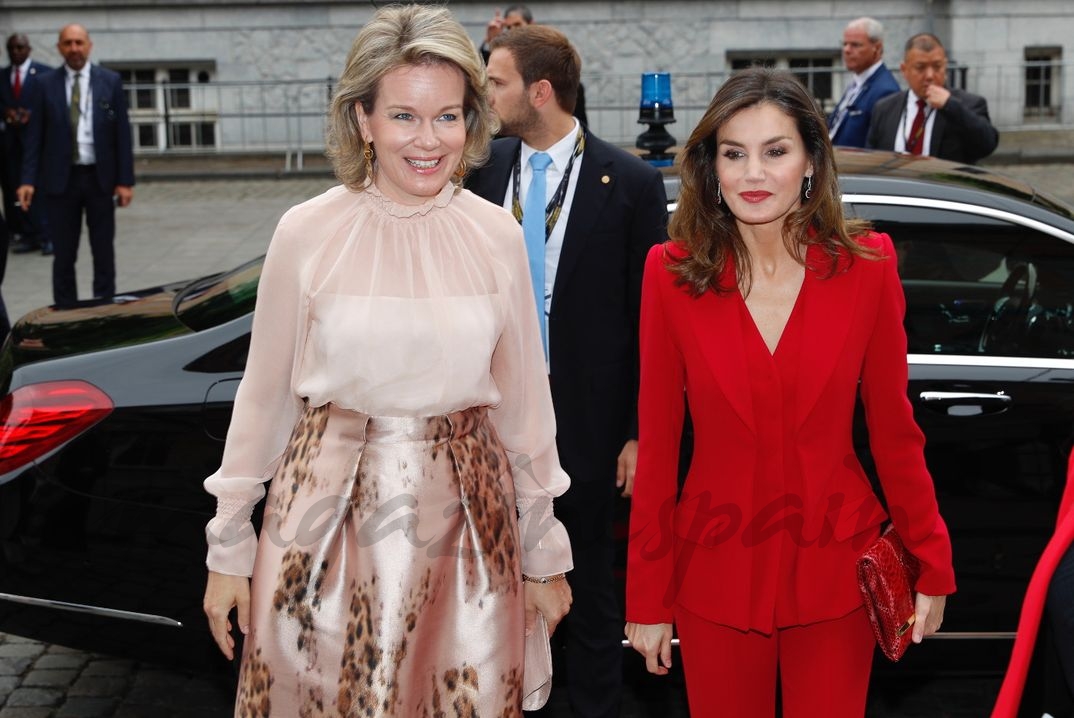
(966, 403)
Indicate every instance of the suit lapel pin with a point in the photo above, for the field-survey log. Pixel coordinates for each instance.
(605, 179)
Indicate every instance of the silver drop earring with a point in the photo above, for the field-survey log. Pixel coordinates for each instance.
(808, 186)
(719, 190)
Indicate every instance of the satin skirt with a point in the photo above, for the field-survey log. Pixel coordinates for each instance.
(387, 579)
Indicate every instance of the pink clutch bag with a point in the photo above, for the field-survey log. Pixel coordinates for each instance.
(537, 670)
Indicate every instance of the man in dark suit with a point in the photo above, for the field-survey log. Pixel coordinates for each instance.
(930, 119)
(18, 82)
(600, 211)
(78, 158)
(871, 80)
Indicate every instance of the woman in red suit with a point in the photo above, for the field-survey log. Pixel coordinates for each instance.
(1052, 583)
(771, 310)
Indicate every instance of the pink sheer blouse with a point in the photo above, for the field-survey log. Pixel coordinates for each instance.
(393, 310)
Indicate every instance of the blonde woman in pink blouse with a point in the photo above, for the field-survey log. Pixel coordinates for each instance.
(396, 396)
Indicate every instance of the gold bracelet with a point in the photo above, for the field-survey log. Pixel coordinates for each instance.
(545, 579)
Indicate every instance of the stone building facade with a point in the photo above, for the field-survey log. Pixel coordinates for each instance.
(256, 74)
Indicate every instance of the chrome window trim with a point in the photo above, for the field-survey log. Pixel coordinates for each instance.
(92, 610)
(973, 360)
(976, 209)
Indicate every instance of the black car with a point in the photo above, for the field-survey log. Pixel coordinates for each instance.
(114, 414)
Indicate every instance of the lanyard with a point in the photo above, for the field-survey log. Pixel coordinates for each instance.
(555, 206)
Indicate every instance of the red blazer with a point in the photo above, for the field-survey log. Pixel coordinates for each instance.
(710, 551)
(1010, 693)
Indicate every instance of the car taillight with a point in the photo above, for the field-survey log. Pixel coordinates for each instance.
(38, 418)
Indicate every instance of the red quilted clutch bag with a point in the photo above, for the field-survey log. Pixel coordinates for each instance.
(887, 573)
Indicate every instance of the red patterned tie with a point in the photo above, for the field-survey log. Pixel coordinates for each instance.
(17, 86)
(916, 141)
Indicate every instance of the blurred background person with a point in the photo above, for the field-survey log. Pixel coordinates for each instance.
(930, 119)
(870, 80)
(1051, 587)
(77, 158)
(515, 16)
(18, 82)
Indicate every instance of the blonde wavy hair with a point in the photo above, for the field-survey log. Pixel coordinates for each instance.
(398, 36)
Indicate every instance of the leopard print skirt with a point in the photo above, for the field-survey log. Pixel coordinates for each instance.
(387, 580)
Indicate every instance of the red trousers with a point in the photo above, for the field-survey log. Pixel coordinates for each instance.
(823, 668)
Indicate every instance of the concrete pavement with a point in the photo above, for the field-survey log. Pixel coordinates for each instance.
(173, 230)
(179, 229)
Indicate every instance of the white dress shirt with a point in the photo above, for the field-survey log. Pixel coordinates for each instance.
(86, 154)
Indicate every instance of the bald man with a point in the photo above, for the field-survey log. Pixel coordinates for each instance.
(78, 161)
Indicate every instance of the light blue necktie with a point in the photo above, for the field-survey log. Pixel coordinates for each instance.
(533, 228)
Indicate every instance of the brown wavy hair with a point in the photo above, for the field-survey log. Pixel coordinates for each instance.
(397, 36)
(708, 230)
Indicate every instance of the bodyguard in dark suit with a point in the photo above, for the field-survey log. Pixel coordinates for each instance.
(18, 83)
(871, 80)
(930, 119)
(78, 158)
(600, 211)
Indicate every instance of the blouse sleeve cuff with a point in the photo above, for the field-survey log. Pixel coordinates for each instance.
(232, 546)
(546, 549)
(231, 537)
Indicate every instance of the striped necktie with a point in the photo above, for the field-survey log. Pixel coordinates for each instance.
(76, 115)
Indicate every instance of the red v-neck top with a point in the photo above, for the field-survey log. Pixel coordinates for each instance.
(773, 378)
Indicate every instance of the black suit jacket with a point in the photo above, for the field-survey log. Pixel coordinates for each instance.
(47, 149)
(29, 85)
(619, 210)
(14, 131)
(962, 131)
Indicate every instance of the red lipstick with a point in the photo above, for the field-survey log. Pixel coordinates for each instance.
(755, 196)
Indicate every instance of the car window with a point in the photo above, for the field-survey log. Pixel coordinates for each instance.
(211, 301)
(979, 285)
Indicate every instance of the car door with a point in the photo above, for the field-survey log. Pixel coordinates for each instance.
(991, 357)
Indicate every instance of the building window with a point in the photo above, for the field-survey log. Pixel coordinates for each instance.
(1043, 65)
(815, 73)
(813, 68)
(145, 136)
(172, 106)
(179, 88)
(141, 89)
(192, 134)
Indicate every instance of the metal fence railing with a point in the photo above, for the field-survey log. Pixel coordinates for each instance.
(289, 116)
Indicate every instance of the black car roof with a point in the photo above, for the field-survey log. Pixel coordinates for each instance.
(872, 172)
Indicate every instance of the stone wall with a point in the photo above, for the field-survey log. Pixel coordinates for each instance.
(272, 40)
